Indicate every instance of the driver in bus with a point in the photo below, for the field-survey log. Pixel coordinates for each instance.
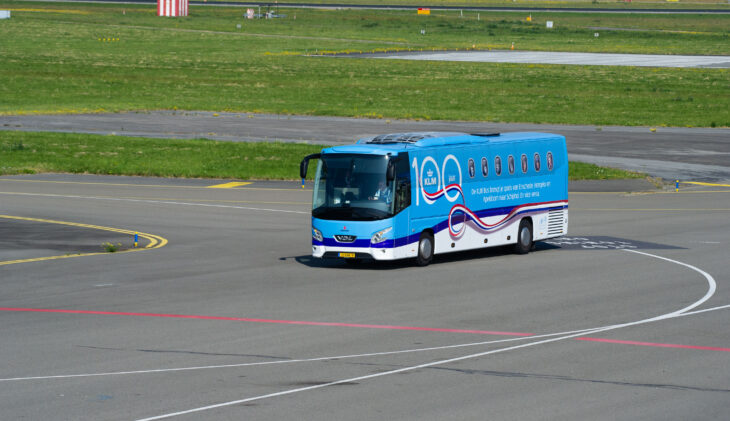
(383, 193)
(349, 179)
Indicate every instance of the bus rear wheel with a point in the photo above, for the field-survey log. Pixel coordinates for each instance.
(524, 237)
(425, 249)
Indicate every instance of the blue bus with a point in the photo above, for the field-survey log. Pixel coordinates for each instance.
(407, 195)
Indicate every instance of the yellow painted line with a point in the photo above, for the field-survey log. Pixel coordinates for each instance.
(40, 259)
(595, 192)
(229, 185)
(155, 241)
(698, 183)
(187, 199)
(602, 192)
(691, 192)
(654, 209)
(647, 193)
(140, 185)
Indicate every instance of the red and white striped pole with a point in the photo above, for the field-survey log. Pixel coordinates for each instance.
(172, 8)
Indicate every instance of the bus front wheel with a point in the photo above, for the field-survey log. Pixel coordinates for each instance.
(524, 237)
(425, 249)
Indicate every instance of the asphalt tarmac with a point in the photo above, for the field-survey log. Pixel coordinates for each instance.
(227, 317)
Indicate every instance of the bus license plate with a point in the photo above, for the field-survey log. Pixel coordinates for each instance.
(348, 255)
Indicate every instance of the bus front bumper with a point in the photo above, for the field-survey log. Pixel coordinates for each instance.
(355, 252)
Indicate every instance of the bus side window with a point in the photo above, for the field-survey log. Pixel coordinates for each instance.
(402, 184)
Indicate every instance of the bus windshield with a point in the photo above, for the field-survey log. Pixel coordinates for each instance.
(352, 187)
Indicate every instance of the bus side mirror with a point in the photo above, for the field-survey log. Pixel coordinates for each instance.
(305, 164)
(390, 172)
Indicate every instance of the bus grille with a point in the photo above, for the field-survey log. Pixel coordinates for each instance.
(345, 238)
(555, 222)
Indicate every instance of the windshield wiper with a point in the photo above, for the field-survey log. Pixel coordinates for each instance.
(369, 214)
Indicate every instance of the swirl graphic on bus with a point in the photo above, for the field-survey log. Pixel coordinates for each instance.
(442, 192)
(466, 213)
(461, 214)
(456, 209)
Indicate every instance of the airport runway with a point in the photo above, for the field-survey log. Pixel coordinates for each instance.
(228, 317)
(554, 57)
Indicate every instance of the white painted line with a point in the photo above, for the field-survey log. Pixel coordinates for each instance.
(712, 285)
(711, 290)
(692, 313)
(209, 205)
(338, 357)
(369, 376)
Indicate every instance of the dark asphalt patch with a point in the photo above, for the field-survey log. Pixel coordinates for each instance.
(605, 243)
(32, 239)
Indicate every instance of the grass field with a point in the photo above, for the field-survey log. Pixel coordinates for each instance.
(555, 4)
(71, 57)
(37, 152)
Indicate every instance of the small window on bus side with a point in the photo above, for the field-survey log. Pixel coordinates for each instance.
(523, 161)
(485, 167)
(550, 161)
(472, 170)
(511, 164)
(498, 165)
(537, 162)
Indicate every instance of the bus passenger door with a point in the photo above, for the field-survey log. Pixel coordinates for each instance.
(402, 205)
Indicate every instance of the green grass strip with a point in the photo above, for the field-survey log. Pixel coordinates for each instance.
(585, 171)
(36, 152)
(552, 4)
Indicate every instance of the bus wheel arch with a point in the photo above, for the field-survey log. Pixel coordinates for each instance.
(525, 236)
(426, 247)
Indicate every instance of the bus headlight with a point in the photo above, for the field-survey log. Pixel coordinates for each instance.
(317, 234)
(378, 236)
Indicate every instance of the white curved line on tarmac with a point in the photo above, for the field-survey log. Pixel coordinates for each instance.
(711, 290)
(562, 336)
(338, 357)
(208, 205)
(710, 280)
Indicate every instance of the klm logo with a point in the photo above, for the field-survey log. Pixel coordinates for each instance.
(430, 180)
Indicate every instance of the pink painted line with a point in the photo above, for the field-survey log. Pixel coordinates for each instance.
(616, 341)
(250, 320)
(356, 325)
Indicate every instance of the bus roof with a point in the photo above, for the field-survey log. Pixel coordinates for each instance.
(400, 142)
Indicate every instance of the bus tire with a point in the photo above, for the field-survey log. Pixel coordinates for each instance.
(425, 249)
(524, 237)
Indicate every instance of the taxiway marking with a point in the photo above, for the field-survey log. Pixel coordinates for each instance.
(155, 241)
(712, 287)
(229, 185)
